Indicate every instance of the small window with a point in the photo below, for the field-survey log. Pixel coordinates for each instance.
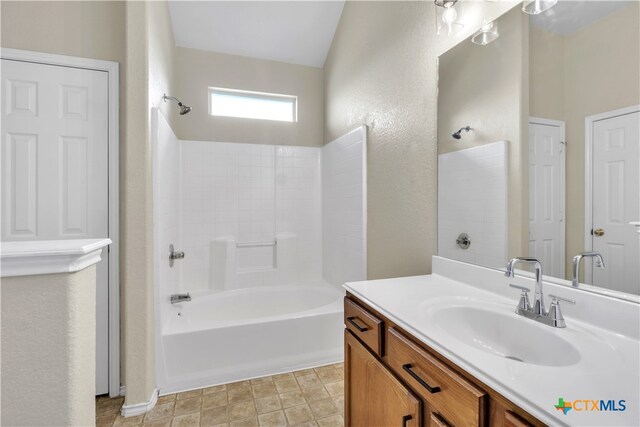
(253, 105)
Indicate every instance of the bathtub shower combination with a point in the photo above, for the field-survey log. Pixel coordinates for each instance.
(269, 235)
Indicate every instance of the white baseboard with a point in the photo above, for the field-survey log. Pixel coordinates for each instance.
(140, 408)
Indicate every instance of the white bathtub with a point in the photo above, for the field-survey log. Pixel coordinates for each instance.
(234, 335)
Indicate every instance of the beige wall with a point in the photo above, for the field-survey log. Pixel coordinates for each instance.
(138, 351)
(381, 71)
(599, 68)
(115, 31)
(48, 349)
(197, 70)
(483, 87)
(546, 74)
(162, 55)
(480, 86)
(602, 68)
(86, 29)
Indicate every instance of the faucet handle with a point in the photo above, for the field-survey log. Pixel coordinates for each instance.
(524, 303)
(555, 299)
(524, 289)
(555, 315)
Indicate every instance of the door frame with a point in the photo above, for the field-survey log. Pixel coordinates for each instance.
(563, 179)
(112, 70)
(589, 122)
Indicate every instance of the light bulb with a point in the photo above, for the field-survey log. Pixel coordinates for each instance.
(446, 22)
(487, 27)
(449, 15)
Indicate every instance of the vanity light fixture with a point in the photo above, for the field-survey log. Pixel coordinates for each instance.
(536, 7)
(486, 34)
(446, 16)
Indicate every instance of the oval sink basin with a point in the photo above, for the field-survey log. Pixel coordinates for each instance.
(506, 335)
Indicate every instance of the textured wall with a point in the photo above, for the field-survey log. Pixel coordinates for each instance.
(197, 70)
(546, 74)
(86, 29)
(162, 52)
(48, 349)
(137, 223)
(381, 72)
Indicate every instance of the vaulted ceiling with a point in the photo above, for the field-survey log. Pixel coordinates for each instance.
(297, 32)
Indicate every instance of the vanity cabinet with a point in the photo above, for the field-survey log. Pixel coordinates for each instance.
(392, 403)
(393, 380)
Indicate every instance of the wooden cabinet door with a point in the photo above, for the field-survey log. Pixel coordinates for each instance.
(436, 420)
(513, 420)
(373, 395)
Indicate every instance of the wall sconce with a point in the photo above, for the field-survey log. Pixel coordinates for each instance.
(446, 16)
(486, 34)
(536, 7)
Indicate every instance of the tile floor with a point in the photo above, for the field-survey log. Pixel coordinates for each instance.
(311, 397)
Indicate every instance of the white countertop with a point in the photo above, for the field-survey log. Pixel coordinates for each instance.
(608, 367)
(49, 256)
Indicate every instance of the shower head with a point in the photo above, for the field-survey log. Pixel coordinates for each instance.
(458, 134)
(184, 109)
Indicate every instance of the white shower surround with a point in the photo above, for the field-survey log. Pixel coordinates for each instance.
(245, 194)
(344, 208)
(472, 199)
(211, 196)
(166, 212)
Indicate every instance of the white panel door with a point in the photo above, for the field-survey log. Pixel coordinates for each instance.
(55, 166)
(546, 196)
(616, 201)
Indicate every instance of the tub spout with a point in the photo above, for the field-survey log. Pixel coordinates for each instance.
(176, 298)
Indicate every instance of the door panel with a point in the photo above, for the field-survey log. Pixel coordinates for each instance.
(55, 166)
(615, 201)
(546, 197)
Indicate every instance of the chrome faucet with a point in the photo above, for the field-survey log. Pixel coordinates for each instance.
(176, 298)
(576, 265)
(538, 312)
(538, 298)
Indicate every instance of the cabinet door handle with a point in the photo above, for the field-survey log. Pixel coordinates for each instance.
(422, 382)
(406, 419)
(353, 322)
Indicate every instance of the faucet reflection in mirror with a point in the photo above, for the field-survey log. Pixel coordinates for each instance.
(576, 265)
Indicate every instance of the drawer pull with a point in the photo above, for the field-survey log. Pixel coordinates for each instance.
(406, 419)
(422, 382)
(353, 322)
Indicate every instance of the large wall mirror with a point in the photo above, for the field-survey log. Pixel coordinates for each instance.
(538, 144)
